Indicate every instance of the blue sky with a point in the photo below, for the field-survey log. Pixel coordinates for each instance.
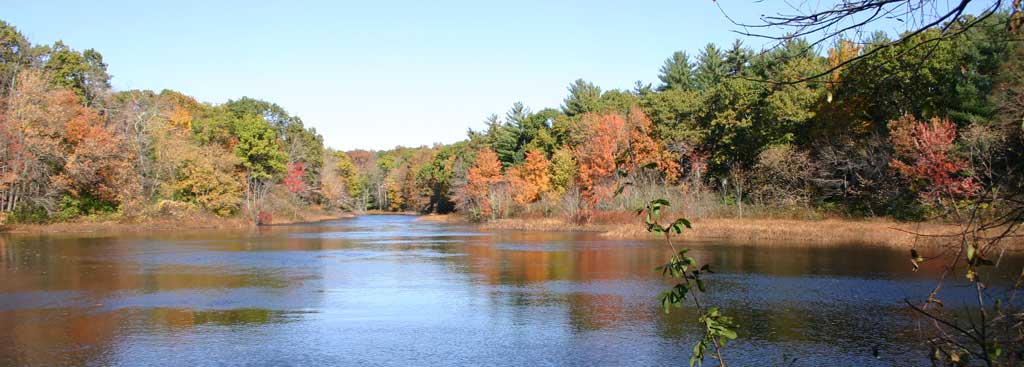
(382, 73)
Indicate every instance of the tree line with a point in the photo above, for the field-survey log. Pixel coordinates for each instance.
(73, 147)
(906, 133)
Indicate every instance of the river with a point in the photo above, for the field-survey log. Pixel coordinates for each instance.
(389, 290)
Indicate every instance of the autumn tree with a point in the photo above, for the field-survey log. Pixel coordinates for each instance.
(926, 156)
(32, 125)
(55, 145)
(336, 178)
(644, 149)
(485, 173)
(563, 170)
(531, 179)
(206, 178)
(838, 56)
(293, 178)
(96, 161)
(596, 160)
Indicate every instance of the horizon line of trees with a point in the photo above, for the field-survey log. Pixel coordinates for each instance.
(906, 133)
(73, 147)
(880, 137)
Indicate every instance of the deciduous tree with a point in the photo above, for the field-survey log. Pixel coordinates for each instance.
(926, 155)
(531, 179)
(481, 177)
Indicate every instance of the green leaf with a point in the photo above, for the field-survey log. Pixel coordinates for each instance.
(727, 333)
(660, 202)
(679, 224)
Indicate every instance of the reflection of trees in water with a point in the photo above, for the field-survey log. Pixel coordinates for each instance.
(78, 336)
(98, 270)
(526, 259)
(806, 331)
(589, 311)
(535, 264)
(531, 260)
(185, 318)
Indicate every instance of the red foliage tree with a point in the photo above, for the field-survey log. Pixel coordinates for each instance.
(926, 154)
(293, 180)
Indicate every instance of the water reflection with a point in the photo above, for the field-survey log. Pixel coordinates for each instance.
(389, 290)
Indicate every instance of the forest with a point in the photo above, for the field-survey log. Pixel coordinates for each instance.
(905, 134)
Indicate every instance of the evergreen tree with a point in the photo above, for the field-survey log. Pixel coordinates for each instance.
(677, 73)
(737, 58)
(711, 67)
(583, 97)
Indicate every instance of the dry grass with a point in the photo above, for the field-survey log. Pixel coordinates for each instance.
(829, 232)
(192, 221)
(443, 218)
(543, 224)
(147, 225)
(308, 215)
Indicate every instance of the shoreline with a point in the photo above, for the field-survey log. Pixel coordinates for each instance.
(826, 232)
(163, 224)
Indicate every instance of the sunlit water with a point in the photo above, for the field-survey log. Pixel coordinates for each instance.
(387, 290)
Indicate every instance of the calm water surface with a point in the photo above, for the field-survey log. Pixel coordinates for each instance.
(387, 290)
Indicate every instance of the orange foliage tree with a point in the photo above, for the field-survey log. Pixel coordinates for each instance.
(596, 157)
(531, 179)
(644, 148)
(614, 144)
(96, 162)
(55, 144)
(485, 173)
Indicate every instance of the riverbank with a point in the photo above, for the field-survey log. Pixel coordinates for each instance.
(158, 224)
(827, 232)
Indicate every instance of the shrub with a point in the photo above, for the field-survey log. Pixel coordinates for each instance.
(27, 214)
(72, 207)
(264, 218)
(781, 176)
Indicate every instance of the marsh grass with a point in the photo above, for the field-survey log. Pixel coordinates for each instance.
(767, 231)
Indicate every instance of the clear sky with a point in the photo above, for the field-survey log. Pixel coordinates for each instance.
(376, 74)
